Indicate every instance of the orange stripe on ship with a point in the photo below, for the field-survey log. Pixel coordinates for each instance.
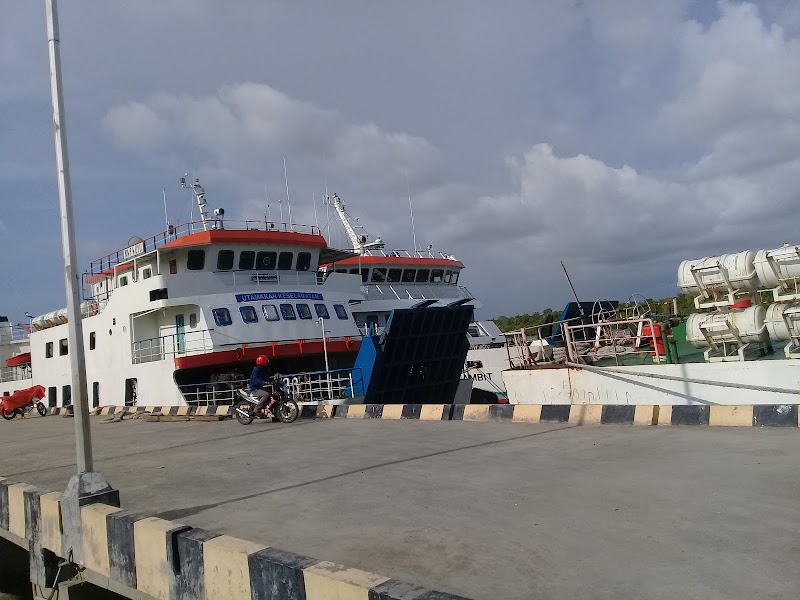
(234, 236)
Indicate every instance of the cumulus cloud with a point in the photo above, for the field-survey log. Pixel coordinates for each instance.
(579, 207)
(136, 126)
(737, 75)
(243, 126)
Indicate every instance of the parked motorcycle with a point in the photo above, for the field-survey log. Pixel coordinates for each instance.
(9, 414)
(285, 409)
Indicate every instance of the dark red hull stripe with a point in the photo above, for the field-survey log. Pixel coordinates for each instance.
(274, 350)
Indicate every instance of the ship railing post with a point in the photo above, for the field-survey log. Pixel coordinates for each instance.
(541, 342)
(612, 333)
(527, 358)
(568, 343)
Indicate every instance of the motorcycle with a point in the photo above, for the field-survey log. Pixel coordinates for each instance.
(285, 409)
(23, 410)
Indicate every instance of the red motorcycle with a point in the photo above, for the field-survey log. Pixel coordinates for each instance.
(23, 402)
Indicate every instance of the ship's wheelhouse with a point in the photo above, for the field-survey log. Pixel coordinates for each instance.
(400, 279)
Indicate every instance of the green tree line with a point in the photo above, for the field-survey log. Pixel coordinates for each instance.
(657, 306)
(526, 320)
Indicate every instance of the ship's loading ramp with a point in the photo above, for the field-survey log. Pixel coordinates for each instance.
(417, 359)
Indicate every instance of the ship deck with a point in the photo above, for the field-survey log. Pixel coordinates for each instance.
(485, 510)
(686, 353)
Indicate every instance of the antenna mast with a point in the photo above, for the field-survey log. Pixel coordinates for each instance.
(202, 202)
(166, 216)
(288, 199)
(327, 198)
(411, 210)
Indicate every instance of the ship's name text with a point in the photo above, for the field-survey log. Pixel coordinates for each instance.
(134, 250)
(278, 296)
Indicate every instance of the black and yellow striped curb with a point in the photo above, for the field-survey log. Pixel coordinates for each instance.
(758, 415)
(423, 412)
(776, 415)
(133, 554)
(183, 411)
(306, 412)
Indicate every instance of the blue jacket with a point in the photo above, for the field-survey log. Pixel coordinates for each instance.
(259, 377)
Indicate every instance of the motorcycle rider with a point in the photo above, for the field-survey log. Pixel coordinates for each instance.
(258, 379)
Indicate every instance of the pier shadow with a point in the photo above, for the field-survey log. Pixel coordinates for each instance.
(101, 459)
(181, 513)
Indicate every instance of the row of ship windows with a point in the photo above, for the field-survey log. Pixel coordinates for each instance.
(386, 275)
(63, 346)
(223, 318)
(250, 260)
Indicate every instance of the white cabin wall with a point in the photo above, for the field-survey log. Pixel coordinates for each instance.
(156, 385)
(50, 372)
(109, 363)
(136, 295)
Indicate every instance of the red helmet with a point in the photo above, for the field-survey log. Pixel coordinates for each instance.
(262, 361)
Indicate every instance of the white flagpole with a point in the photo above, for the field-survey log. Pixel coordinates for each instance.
(77, 359)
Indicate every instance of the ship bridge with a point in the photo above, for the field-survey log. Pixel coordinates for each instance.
(402, 279)
(395, 278)
(283, 249)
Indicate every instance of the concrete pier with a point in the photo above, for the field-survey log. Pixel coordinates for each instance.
(479, 509)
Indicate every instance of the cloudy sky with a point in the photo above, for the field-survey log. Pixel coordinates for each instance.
(619, 136)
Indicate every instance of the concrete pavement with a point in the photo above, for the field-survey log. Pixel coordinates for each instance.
(486, 510)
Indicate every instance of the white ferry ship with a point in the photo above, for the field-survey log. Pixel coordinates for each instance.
(179, 317)
(190, 306)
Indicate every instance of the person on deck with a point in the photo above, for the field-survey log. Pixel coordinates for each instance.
(258, 379)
